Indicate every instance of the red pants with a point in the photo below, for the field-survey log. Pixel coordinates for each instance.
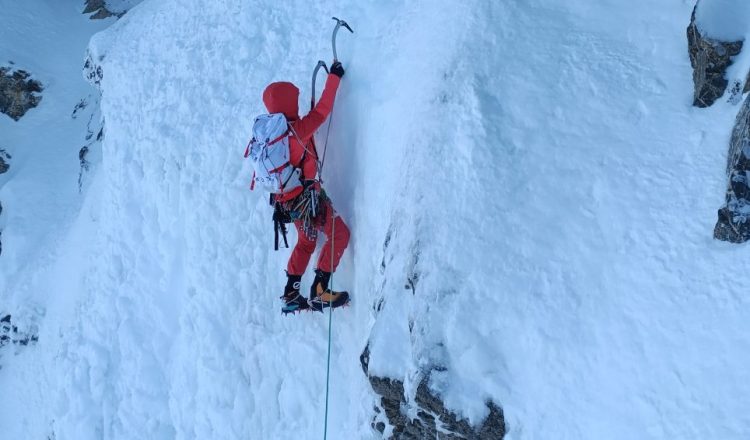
(337, 238)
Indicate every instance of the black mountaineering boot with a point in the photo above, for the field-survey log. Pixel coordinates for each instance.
(321, 296)
(293, 300)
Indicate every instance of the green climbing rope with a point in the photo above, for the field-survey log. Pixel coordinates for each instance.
(330, 287)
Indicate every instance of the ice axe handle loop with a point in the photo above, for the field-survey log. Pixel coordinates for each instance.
(339, 23)
(315, 75)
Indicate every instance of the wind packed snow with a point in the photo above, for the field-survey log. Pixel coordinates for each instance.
(725, 20)
(530, 193)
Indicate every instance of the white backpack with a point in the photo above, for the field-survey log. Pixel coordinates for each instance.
(269, 151)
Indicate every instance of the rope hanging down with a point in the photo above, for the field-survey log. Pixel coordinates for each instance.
(339, 23)
(330, 286)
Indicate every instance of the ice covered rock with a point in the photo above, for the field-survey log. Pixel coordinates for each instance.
(710, 59)
(108, 8)
(733, 224)
(92, 71)
(4, 158)
(4, 167)
(18, 92)
(433, 419)
(12, 336)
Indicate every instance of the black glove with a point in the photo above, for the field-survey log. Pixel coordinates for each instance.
(337, 69)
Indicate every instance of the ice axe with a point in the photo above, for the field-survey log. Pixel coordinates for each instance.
(315, 75)
(339, 23)
(322, 64)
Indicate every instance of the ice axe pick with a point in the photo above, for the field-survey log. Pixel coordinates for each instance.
(339, 23)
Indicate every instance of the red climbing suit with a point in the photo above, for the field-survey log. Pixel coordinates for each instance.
(282, 97)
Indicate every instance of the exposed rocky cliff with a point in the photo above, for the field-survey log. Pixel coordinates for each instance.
(733, 224)
(4, 161)
(710, 59)
(431, 418)
(18, 92)
(100, 9)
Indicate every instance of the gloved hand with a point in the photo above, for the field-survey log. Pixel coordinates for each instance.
(337, 69)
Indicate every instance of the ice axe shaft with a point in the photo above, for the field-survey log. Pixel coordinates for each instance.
(314, 78)
(339, 23)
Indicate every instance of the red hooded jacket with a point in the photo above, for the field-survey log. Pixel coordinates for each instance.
(282, 97)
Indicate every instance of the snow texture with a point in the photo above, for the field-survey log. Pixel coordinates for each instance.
(531, 199)
(724, 20)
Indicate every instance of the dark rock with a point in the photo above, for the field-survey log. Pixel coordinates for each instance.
(95, 125)
(4, 158)
(92, 71)
(380, 426)
(733, 224)
(85, 166)
(98, 9)
(18, 92)
(11, 336)
(494, 425)
(710, 59)
(364, 359)
(82, 104)
(433, 419)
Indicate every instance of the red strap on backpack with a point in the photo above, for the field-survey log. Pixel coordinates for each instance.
(247, 153)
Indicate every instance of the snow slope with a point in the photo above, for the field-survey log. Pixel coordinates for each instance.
(40, 197)
(532, 170)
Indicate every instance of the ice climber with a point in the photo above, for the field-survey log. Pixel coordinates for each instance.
(286, 161)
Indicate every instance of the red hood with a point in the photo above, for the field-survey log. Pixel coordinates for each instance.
(282, 97)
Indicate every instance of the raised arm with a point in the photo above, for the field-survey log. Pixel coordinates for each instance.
(307, 126)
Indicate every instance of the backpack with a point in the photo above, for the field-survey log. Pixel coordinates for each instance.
(269, 151)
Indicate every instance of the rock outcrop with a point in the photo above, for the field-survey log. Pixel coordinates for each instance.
(100, 9)
(733, 224)
(4, 161)
(710, 59)
(18, 92)
(4, 167)
(11, 336)
(433, 420)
